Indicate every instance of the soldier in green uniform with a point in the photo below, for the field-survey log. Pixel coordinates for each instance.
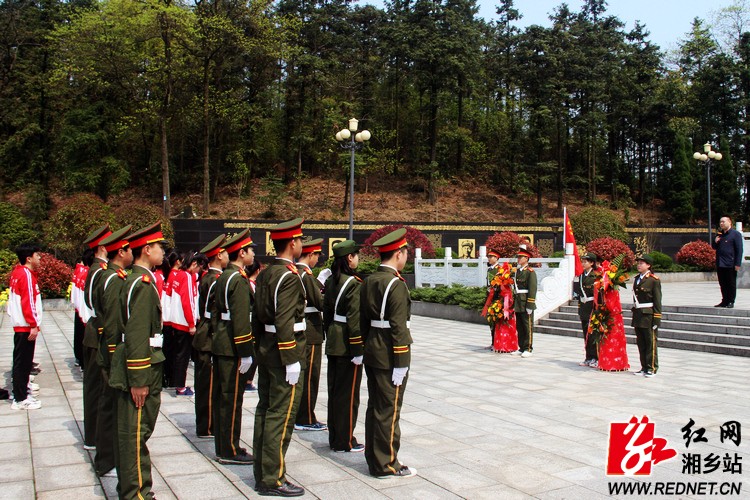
(647, 315)
(385, 310)
(583, 289)
(107, 305)
(92, 373)
(137, 365)
(344, 347)
(279, 320)
(524, 298)
(492, 260)
(232, 348)
(306, 419)
(204, 377)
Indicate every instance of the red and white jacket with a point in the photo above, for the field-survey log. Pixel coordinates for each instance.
(76, 293)
(24, 301)
(166, 298)
(183, 311)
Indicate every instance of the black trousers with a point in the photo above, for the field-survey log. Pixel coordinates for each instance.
(525, 328)
(728, 284)
(182, 347)
(167, 349)
(78, 328)
(344, 380)
(23, 359)
(584, 313)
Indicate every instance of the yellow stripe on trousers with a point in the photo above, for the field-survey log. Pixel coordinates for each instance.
(393, 428)
(283, 434)
(351, 405)
(234, 410)
(653, 349)
(138, 452)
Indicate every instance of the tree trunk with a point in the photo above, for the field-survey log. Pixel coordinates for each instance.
(431, 194)
(206, 143)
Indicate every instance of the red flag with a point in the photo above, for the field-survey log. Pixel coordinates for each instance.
(569, 238)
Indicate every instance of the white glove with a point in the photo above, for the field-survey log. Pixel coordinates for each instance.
(529, 311)
(654, 327)
(357, 360)
(245, 364)
(292, 373)
(323, 276)
(398, 375)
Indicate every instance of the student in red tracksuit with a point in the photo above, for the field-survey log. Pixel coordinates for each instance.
(184, 316)
(25, 310)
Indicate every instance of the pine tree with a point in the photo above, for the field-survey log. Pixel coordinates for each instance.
(680, 200)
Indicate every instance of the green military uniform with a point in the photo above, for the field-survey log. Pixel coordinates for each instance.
(385, 310)
(313, 346)
(584, 289)
(107, 306)
(345, 349)
(204, 382)
(647, 318)
(232, 340)
(137, 363)
(93, 383)
(524, 297)
(203, 373)
(279, 320)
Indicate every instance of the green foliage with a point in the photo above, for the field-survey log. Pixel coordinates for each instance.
(15, 228)
(275, 192)
(8, 261)
(680, 199)
(73, 221)
(596, 222)
(662, 261)
(471, 298)
(141, 215)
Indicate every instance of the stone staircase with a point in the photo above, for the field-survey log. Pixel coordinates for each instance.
(705, 329)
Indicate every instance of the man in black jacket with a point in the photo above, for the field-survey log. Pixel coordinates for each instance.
(728, 245)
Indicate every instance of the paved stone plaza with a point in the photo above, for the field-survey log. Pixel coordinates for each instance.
(475, 424)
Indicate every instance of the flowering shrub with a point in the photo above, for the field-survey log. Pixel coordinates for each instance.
(54, 277)
(415, 237)
(507, 243)
(608, 248)
(697, 253)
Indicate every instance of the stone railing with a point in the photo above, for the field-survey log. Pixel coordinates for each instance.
(554, 276)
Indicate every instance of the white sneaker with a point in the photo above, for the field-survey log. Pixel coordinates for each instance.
(33, 387)
(516, 353)
(594, 363)
(27, 404)
(31, 378)
(111, 473)
(526, 354)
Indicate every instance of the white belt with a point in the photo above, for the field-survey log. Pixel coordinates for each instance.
(298, 327)
(339, 318)
(583, 300)
(384, 324)
(207, 315)
(311, 310)
(521, 291)
(644, 305)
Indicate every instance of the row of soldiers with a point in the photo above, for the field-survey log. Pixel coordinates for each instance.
(277, 323)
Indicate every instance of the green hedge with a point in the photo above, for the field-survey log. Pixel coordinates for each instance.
(471, 298)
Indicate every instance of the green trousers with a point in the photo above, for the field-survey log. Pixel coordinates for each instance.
(229, 394)
(382, 429)
(525, 328)
(134, 428)
(344, 380)
(92, 392)
(278, 403)
(106, 434)
(310, 385)
(646, 338)
(204, 386)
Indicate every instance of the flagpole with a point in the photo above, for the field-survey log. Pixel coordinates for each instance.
(565, 224)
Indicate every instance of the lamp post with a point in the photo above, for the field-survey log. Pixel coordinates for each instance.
(707, 156)
(352, 140)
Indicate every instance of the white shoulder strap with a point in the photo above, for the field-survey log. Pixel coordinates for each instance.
(276, 292)
(91, 289)
(341, 294)
(208, 295)
(385, 298)
(130, 294)
(226, 290)
(106, 283)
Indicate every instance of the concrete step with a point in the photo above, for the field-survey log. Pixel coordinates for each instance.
(664, 342)
(669, 322)
(673, 331)
(694, 310)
